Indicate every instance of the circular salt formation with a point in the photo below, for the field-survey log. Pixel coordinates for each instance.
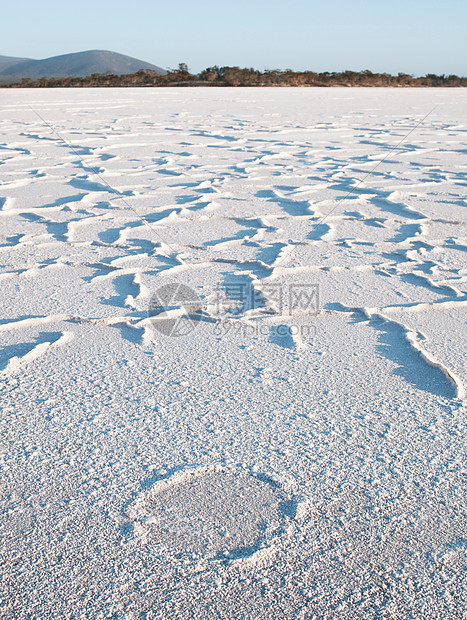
(209, 512)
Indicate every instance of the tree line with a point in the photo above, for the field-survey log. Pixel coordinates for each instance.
(236, 76)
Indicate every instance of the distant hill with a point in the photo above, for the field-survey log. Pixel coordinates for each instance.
(79, 64)
(8, 61)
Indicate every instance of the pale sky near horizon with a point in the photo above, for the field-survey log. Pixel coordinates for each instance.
(411, 36)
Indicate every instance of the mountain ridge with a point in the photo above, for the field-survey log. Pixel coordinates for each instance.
(8, 61)
(79, 64)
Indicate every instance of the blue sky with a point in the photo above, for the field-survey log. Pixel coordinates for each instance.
(412, 36)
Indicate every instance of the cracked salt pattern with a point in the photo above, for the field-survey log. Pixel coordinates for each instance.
(234, 472)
